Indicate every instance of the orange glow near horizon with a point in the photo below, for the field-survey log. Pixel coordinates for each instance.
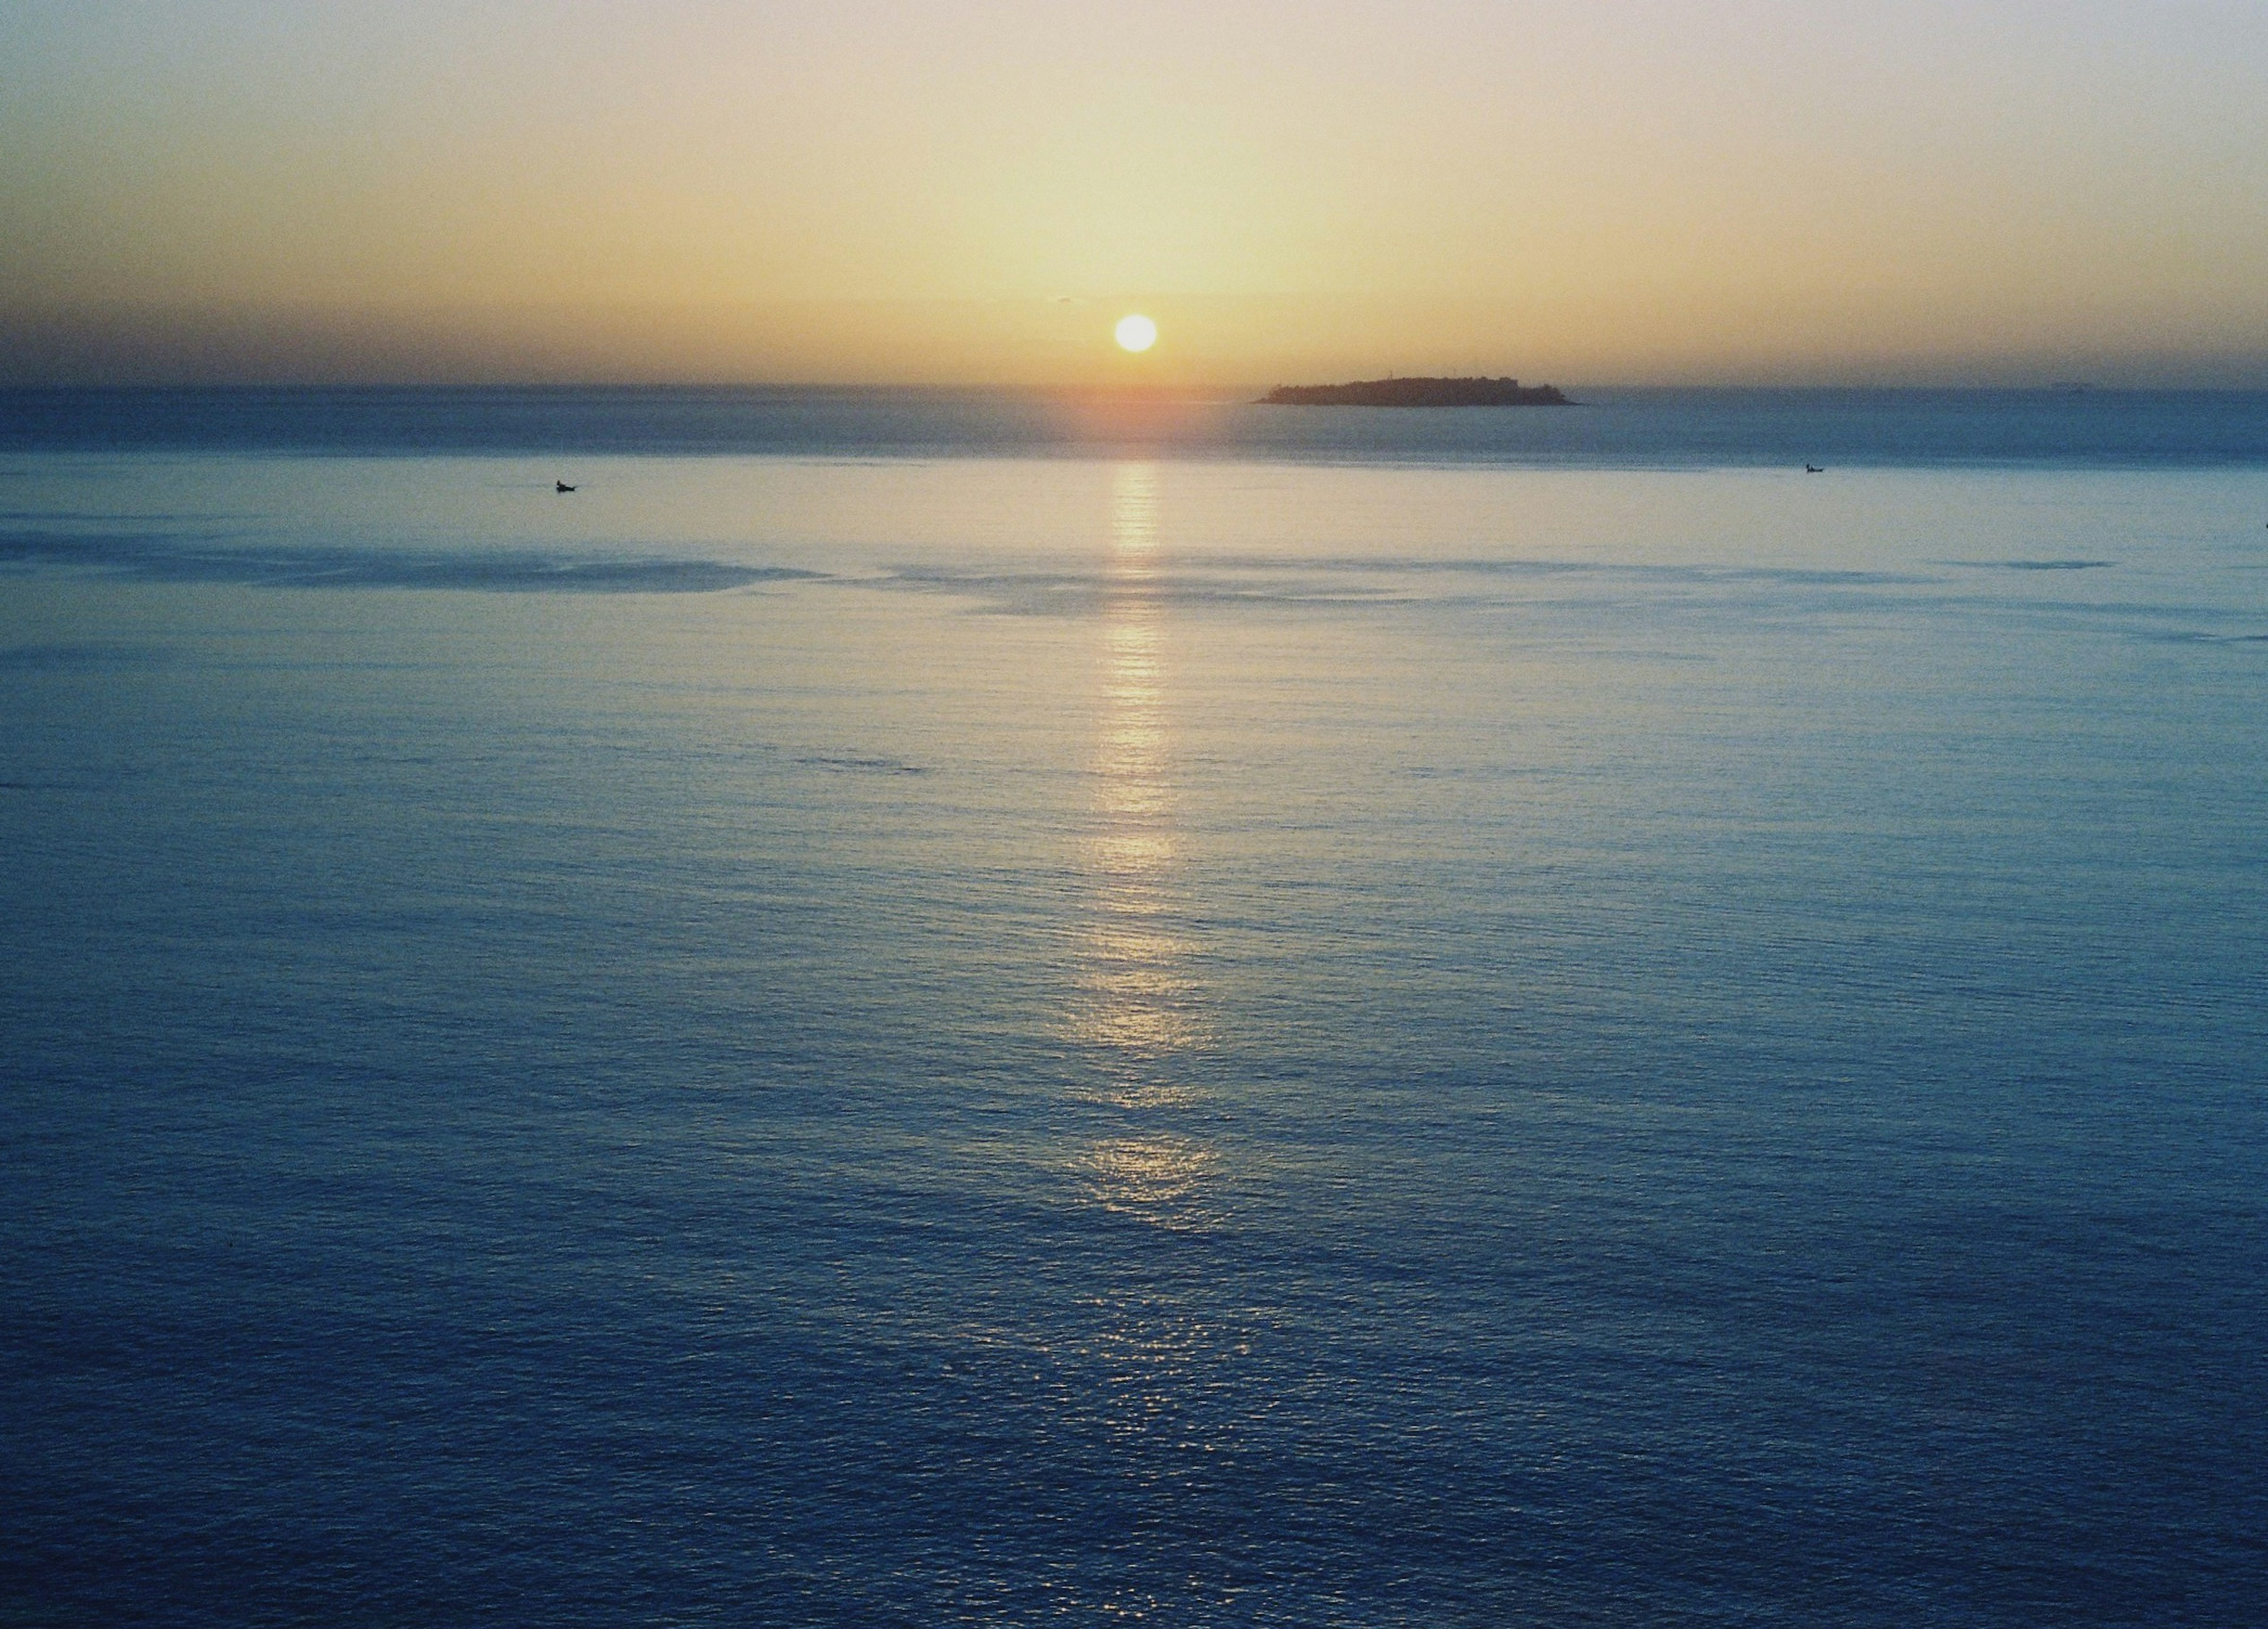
(879, 191)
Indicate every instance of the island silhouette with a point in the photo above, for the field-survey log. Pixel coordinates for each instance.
(1419, 393)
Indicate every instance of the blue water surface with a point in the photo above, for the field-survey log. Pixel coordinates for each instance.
(1606, 427)
(918, 1026)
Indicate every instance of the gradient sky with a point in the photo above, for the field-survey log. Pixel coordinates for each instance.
(1593, 192)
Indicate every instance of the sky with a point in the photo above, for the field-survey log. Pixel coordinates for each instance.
(1583, 191)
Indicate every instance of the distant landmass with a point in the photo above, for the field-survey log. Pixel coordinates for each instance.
(1419, 392)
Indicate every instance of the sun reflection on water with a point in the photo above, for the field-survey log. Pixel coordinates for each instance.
(1156, 1177)
(1139, 1001)
(1139, 1010)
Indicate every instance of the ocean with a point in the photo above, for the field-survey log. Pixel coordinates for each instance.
(926, 1008)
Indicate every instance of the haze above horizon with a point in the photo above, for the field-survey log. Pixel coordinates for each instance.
(874, 191)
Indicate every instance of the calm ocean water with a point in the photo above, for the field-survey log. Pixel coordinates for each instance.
(935, 1009)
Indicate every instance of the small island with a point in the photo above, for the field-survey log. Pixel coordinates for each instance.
(1419, 393)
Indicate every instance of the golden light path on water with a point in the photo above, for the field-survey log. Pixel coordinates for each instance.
(1139, 1007)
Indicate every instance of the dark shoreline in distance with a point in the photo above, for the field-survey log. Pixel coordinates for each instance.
(1419, 393)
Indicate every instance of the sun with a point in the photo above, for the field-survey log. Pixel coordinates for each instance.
(1137, 332)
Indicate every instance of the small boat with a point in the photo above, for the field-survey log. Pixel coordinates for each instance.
(561, 486)
(1809, 470)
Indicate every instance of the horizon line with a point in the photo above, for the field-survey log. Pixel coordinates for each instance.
(1123, 389)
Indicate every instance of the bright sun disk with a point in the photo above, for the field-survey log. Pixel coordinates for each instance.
(1137, 332)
